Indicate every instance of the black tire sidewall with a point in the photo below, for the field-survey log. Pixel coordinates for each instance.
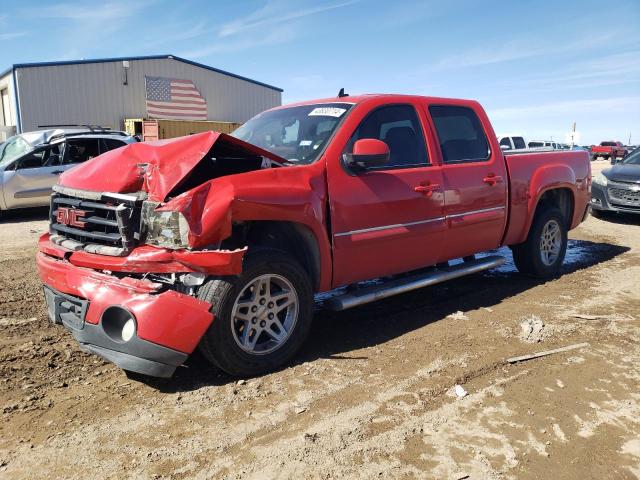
(221, 344)
(539, 268)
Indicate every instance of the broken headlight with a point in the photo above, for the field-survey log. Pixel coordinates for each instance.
(168, 229)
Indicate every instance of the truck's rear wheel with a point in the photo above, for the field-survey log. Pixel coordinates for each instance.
(262, 317)
(542, 254)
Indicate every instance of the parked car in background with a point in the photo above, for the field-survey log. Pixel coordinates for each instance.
(221, 241)
(617, 188)
(512, 142)
(608, 150)
(542, 145)
(31, 162)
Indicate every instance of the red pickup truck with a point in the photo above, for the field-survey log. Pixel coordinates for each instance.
(221, 241)
(610, 149)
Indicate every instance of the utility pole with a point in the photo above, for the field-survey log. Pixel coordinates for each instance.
(573, 135)
(629, 142)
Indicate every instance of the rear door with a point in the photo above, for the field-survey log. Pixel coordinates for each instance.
(475, 180)
(79, 150)
(389, 219)
(107, 144)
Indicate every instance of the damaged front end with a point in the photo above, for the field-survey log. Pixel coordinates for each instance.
(125, 252)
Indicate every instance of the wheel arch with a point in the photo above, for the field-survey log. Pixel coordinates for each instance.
(296, 239)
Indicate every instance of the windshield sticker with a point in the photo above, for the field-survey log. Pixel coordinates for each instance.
(305, 143)
(327, 112)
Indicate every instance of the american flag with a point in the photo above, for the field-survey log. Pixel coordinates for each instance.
(174, 98)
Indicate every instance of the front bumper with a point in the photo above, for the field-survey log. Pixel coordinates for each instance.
(169, 324)
(601, 199)
(136, 355)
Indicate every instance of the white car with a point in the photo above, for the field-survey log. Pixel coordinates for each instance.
(512, 142)
(30, 163)
(543, 145)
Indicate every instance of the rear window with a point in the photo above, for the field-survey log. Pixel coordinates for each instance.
(518, 142)
(608, 144)
(505, 142)
(535, 144)
(460, 133)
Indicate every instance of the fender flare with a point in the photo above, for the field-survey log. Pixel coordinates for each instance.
(549, 177)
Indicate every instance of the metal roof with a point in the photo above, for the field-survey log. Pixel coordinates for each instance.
(149, 57)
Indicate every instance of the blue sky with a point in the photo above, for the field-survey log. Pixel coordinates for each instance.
(535, 66)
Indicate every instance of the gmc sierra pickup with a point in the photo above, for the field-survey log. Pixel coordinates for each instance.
(221, 241)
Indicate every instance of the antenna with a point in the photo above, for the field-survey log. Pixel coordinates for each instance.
(342, 94)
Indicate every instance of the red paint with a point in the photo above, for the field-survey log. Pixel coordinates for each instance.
(156, 167)
(382, 222)
(169, 318)
(147, 258)
(370, 146)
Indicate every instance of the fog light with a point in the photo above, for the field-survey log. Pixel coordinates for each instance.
(119, 324)
(128, 330)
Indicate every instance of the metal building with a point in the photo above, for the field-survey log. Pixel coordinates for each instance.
(106, 91)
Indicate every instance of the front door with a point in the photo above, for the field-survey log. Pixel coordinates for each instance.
(475, 182)
(28, 182)
(389, 219)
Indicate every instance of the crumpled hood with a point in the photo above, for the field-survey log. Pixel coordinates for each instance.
(154, 167)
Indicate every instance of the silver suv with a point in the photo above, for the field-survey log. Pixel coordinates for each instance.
(31, 162)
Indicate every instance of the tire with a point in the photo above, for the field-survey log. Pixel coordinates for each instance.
(530, 258)
(229, 342)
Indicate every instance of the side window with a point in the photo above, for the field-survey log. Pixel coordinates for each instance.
(461, 136)
(398, 126)
(505, 142)
(518, 142)
(47, 157)
(110, 144)
(80, 150)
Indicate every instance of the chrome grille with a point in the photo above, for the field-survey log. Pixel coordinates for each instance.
(105, 223)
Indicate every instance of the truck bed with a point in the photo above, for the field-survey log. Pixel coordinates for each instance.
(528, 171)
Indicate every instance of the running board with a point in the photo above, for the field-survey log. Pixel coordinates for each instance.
(406, 284)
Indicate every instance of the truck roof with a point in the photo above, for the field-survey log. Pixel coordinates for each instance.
(356, 99)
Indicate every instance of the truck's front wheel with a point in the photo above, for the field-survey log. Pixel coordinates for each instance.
(542, 254)
(262, 317)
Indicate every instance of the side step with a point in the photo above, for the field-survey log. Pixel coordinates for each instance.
(406, 284)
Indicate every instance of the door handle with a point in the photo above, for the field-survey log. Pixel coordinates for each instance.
(57, 172)
(492, 179)
(426, 189)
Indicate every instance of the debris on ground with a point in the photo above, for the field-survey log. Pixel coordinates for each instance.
(584, 316)
(547, 352)
(459, 315)
(460, 391)
(532, 329)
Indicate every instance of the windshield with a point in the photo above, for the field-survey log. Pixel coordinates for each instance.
(632, 158)
(13, 148)
(297, 134)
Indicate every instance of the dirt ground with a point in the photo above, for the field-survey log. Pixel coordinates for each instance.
(372, 394)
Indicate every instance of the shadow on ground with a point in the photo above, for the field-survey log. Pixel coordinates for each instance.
(24, 215)
(619, 218)
(335, 334)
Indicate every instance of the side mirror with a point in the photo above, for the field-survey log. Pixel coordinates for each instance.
(368, 153)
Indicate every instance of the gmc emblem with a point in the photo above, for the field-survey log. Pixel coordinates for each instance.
(71, 217)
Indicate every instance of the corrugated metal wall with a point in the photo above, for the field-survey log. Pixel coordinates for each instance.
(93, 93)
